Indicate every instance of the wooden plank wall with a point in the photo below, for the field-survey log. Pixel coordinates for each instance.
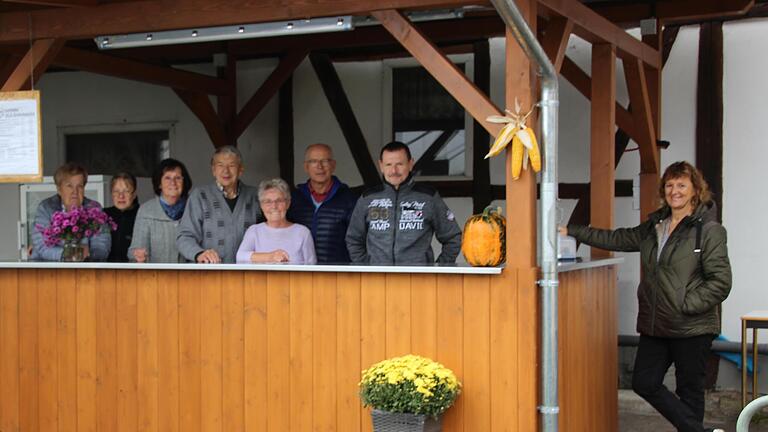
(116, 350)
(588, 351)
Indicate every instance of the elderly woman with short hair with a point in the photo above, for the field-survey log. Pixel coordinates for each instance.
(70, 180)
(154, 234)
(277, 240)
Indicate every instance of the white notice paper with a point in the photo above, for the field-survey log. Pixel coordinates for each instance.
(18, 137)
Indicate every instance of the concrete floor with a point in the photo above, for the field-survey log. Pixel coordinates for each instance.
(723, 407)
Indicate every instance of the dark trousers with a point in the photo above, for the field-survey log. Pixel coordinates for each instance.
(685, 410)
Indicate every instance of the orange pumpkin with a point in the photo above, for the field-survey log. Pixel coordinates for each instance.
(484, 240)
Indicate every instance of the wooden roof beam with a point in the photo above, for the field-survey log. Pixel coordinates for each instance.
(583, 83)
(133, 70)
(33, 64)
(201, 106)
(62, 3)
(596, 29)
(642, 114)
(151, 15)
(441, 68)
(268, 89)
(674, 12)
(555, 40)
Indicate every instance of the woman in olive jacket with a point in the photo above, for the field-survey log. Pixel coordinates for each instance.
(686, 275)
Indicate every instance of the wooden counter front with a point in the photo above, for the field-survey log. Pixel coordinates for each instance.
(188, 350)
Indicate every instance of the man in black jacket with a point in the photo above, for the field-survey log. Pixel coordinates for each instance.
(324, 205)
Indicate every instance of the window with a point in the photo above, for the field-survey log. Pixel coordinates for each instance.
(107, 150)
(421, 113)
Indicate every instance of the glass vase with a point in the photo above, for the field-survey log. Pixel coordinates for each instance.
(73, 252)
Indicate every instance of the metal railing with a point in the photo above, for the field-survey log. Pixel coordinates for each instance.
(742, 424)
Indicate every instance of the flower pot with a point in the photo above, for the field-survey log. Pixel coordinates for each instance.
(73, 252)
(385, 421)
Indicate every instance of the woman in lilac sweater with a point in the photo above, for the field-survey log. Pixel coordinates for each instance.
(276, 240)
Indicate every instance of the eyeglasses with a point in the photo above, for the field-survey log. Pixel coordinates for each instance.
(316, 162)
(173, 179)
(121, 192)
(268, 202)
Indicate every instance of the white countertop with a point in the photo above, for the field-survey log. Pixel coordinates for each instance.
(254, 267)
(457, 269)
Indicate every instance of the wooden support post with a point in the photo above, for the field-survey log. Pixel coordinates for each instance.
(342, 109)
(602, 157)
(285, 144)
(481, 171)
(276, 79)
(202, 107)
(709, 109)
(521, 270)
(646, 138)
(521, 193)
(33, 64)
(442, 68)
(226, 104)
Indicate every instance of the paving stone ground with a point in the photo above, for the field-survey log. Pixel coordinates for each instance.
(723, 407)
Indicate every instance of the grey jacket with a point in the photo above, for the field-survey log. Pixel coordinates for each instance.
(209, 224)
(155, 232)
(98, 245)
(395, 226)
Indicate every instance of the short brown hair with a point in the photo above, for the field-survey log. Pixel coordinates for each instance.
(70, 169)
(701, 195)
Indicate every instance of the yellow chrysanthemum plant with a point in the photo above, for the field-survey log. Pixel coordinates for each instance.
(409, 384)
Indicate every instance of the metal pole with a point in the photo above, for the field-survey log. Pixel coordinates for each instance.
(547, 241)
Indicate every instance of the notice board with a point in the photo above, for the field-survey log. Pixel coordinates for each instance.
(21, 158)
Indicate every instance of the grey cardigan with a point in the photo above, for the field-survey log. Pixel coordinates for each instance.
(155, 232)
(209, 224)
(98, 245)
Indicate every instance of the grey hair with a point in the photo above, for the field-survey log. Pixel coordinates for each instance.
(275, 183)
(228, 149)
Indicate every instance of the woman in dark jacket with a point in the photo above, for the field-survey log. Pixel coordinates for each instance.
(123, 212)
(686, 275)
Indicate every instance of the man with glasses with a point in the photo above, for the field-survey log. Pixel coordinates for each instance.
(324, 205)
(217, 215)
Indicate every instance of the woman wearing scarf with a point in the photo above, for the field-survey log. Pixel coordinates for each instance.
(154, 234)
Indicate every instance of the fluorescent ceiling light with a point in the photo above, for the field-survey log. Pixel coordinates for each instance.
(243, 31)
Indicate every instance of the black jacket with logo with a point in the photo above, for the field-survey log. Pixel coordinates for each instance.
(395, 226)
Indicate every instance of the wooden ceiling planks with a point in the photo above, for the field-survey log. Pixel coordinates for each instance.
(59, 3)
(672, 12)
(148, 15)
(137, 71)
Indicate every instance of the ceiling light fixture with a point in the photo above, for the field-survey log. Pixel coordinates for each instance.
(242, 31)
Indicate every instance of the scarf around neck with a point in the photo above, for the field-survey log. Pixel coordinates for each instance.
(173, 211)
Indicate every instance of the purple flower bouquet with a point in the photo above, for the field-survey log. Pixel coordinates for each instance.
(74, 225)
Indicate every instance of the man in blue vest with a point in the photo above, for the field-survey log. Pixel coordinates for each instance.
(324, 205)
